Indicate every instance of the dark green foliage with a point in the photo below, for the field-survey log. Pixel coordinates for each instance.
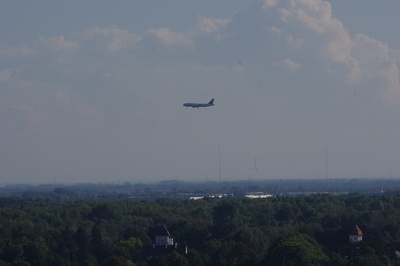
(118, 261)
(158, 261)
(225, 213)
(130, 248)
(177, 259)
(36, 251)
(296, 249)
(301, 230)
(196, 258)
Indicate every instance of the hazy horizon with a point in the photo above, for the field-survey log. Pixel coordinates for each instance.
(250, 182)
(92, 91)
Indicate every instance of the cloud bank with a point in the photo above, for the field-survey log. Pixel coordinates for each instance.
(108, 95)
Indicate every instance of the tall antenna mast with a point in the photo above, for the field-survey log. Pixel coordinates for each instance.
(326, 162)
(219, 162)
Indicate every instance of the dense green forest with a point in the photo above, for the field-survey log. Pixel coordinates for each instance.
(301, 230)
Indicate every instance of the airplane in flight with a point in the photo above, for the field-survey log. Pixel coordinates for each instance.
(197, 105)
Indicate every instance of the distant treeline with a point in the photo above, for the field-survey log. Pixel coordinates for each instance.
(300, 230)
(181, 190)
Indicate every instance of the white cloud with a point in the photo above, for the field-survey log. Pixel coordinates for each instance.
(209, 25)
(171, 39)
(117, 98)
(315, 16)
(290, 64)
(308, 25)
(109, 39)
(376, 60)
(269, 3)
(12, 77)
(18, 52)
(371, 55)
(296, 43)
(57, 45)
(392, 94)
(274, 30)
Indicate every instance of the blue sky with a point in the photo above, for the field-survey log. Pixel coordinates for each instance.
(92, 91)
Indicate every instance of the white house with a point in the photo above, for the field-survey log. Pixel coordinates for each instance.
(355, 234)
(163, 236)
(163, 244)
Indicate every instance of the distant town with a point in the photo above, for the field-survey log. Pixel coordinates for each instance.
(195, 190)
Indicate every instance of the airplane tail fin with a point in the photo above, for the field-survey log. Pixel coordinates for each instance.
(211, 102)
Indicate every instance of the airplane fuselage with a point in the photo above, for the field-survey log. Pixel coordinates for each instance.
(197, 105)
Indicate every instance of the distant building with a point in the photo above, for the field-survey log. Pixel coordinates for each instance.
(163, 237)
(257, 195)
(355, 234)
(163, 244)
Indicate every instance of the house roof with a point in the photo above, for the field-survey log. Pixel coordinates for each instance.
(355, 231)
